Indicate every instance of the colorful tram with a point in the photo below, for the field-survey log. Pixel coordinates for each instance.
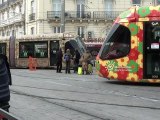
(131, 51)
(42, 47)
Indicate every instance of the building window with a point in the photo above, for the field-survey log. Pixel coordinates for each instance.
(158, 2)
(32, 30)
(3, 34)
(56, 6)
(57, 29)
(108, 5)
(14, 12)
(3, 48)
(80, 8)
(7, 14)
(2, 16)
(8, 33)
(20, 9)
(32, 6)
(80, 31)
(32, 15)
(13, 33)
(136, 2)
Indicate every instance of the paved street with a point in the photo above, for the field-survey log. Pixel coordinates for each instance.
(45, 94)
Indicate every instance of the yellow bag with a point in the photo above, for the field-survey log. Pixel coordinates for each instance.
(79, 70)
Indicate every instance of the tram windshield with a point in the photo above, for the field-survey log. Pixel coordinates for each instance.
(78, 44)
(117, 43)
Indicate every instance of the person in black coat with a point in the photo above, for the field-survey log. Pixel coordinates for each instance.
(4, 57)
(59, 60)
(5, 81)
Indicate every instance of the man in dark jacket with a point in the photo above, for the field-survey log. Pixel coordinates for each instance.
(59, 60)
(5, 81)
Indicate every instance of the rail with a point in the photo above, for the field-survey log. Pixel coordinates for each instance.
(7, 115)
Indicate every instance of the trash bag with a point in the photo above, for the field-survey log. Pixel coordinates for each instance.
(80, 71)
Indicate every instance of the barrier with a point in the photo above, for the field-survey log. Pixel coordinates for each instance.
(6, 115)
(32, 63)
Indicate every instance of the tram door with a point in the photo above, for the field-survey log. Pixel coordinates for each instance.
(152, 50)
(54, 47)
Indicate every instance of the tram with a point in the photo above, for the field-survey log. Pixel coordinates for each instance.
(131, 50)
(93, 47)
(41, 47)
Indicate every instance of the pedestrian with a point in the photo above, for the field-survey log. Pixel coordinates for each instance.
(67, 58)
(5, 81)
(76, 60)
(85, 59)
(59, 60)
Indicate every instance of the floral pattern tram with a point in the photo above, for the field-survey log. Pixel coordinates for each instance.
(130, 66)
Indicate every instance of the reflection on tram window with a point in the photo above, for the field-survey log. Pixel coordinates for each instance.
(117, 43)
(40, 50)
(152, 48)
(26, 49)
(37, 50)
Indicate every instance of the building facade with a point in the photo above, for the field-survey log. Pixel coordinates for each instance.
(12, 20)
(90, 19)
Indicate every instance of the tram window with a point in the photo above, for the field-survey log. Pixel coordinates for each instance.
(152, 35)
(34, 49)
(26, 49)
(117, 43)
(40, 50)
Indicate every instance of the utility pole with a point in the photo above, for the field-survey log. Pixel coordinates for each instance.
(62, 16)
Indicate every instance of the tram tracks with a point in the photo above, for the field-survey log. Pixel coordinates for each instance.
(81, 101)
(47, 100)
(60, 102)
(99, 91)
(91, 90)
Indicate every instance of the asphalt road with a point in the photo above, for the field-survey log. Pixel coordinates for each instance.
(47, 95)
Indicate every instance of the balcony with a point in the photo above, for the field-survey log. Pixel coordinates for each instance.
(69, 15)
(53, 15)
(77, 15)
(106, 15)
(12, 20)
(83, 15)
(32, 17)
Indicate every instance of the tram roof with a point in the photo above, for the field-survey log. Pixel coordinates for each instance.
(143, 13)
(46, 36)
(40, 36)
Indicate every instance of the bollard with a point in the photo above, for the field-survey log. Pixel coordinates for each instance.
(32, 63)
(34, 60)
